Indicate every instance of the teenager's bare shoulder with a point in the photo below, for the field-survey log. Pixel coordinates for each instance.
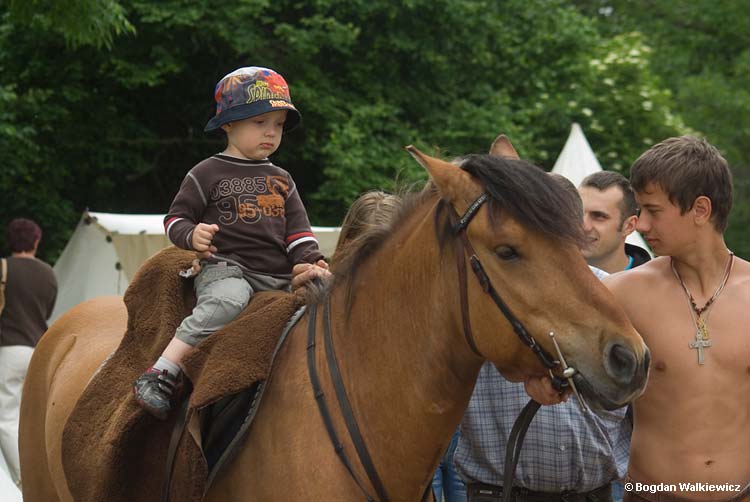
(643, 276)
(740, 277)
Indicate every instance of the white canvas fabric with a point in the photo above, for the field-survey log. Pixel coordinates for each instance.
(9, 492)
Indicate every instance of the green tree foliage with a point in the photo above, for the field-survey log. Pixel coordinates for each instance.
(79, 22)
(702, 54)
(115, 129)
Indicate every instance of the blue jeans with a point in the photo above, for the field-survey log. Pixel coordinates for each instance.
(446, 481)
(618, 491)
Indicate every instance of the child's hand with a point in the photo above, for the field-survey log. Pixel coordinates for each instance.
(203, 234)
(304, 272)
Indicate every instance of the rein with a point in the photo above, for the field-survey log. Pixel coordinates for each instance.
(320, 398)
(345, 407)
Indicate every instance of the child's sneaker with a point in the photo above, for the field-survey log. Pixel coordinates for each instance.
(153, 391)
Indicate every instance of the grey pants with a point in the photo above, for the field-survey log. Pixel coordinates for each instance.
(222, 293)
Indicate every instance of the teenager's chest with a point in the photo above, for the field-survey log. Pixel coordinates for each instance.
(714, 345)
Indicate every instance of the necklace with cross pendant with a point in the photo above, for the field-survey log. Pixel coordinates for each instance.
(701, 340)
(700, 314)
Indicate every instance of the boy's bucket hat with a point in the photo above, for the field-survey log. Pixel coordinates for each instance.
(251, 91)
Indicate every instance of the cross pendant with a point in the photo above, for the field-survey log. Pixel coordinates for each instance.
(700, 344)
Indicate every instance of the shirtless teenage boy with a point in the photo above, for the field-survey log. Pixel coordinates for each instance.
(692, 307)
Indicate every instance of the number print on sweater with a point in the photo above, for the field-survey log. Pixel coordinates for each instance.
(250, 199)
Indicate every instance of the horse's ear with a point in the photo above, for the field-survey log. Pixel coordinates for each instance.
(502, 147)
(455, 184)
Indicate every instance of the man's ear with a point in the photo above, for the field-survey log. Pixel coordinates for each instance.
(628, 226)
(226, 127)
(702, 209)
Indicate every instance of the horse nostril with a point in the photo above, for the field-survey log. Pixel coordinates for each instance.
(620, 363)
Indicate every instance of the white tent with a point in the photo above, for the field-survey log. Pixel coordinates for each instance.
(577, 160)
(9, 492)
(106, 250)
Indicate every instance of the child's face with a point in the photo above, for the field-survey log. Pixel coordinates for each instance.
(257, 137)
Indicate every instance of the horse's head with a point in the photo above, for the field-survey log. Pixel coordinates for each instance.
(529, 277)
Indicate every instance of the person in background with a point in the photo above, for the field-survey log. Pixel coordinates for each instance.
(30, 291)
(610, 214)
(371, 210)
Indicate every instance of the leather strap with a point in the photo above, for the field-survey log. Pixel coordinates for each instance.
(346, 408)
(513, 448)
(3, 280)
(322, 406)
(463, 291)
(174, 442)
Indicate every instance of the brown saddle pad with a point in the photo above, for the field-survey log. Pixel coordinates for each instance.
(112, 449)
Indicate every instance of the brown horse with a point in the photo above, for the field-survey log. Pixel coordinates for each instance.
(398, 328)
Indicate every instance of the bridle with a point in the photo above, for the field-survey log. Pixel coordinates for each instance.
(463, 249)
(521, 425)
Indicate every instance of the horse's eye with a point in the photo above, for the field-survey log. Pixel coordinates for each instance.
(506, 253)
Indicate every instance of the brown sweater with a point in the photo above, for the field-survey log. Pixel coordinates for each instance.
(263, 226)
(30, 294)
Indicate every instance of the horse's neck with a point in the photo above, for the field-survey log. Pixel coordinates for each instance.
(406, 365)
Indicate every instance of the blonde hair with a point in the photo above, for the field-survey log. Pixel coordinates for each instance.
(372, 210)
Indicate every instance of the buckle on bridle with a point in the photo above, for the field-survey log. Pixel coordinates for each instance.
(568, 372)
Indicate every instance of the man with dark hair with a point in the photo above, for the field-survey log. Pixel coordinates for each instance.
(30, 290)
(691, 435)
(610, 215)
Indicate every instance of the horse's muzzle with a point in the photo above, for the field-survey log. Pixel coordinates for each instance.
(622, 365)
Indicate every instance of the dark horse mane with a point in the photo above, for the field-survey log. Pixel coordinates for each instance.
(522, 190)
(530, 196)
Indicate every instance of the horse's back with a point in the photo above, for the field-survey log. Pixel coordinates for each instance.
(63, 362)
(288, 454)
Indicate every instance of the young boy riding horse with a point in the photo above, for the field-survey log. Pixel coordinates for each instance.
(241, 213)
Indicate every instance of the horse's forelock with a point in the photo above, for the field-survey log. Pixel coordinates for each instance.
(529, 195)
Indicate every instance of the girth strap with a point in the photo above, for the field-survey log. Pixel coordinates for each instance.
(174, 442)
